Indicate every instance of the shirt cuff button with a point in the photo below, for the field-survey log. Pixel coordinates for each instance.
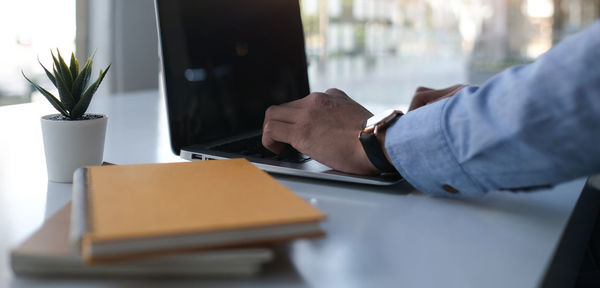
(450, 189)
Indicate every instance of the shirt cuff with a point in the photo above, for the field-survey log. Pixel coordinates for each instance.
(419, 149)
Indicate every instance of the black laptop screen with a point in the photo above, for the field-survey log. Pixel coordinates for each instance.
(225, 62)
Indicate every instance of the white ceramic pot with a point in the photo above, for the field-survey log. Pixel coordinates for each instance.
(70, 144)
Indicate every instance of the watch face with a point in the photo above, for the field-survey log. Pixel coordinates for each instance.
(379, 117)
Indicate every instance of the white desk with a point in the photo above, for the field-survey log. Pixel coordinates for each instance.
(376, 237)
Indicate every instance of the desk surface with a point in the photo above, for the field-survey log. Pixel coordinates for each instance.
(376, 237)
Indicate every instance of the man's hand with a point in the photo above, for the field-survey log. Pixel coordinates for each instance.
(324, 126)
(424, 96)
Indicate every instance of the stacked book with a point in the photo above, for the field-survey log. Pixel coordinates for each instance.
(209, 218)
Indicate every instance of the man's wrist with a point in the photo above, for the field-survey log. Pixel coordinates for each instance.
(372, 137)
(381, 139)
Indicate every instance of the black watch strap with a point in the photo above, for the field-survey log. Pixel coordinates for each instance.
(375, 153)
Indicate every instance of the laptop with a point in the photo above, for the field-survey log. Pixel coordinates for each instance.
(224, 62)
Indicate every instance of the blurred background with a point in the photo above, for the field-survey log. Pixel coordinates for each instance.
(378, 51)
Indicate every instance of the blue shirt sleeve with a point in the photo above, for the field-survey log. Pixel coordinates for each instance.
(528, 126)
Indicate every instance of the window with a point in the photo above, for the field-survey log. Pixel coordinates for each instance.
(28, 29)
(379, 51)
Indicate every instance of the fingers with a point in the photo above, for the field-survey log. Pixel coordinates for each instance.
(281, 120)
(418, 99)
(424, 96)
(422, 89)
(283, 113)
(277, 126)
(300, 103)
(305, 101)
(276, 134)
(416, 102)
(450, 90)
(336, 92)
(456, 88)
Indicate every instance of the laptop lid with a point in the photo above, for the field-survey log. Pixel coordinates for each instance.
(225, 61)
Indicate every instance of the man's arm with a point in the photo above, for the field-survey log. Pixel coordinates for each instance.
(528, 126)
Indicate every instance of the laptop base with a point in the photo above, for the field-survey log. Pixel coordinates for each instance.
(310, 169)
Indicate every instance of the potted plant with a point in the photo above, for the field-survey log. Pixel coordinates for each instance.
(72, 138)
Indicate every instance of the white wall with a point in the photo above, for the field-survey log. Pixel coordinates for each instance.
(123, 33)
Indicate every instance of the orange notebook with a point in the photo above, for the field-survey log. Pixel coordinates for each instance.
(127, 210)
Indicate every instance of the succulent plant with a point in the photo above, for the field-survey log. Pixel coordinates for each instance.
(72, 84)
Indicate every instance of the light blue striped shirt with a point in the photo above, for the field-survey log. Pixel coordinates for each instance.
(528, 126)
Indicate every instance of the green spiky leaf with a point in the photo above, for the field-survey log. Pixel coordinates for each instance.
(62, 69)
(86, 98)
(74, 67)
(82, 80)
(48, 74)
(67, 77)
(53, 101)
(64, 92)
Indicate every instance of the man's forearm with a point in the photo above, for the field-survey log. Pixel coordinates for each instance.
(528, 126)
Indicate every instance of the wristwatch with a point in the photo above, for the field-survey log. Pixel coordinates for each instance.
(375, 126)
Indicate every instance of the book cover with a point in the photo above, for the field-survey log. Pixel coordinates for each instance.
(129, 210)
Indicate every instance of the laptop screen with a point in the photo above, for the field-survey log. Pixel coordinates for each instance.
(225, 62)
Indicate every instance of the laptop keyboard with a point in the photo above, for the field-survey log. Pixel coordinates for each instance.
(253, 147)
